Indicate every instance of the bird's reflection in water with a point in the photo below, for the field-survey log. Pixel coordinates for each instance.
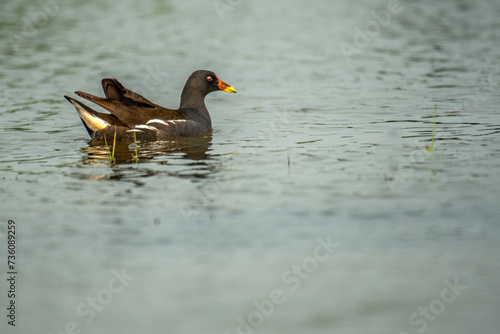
(98, 153)
(128, 164)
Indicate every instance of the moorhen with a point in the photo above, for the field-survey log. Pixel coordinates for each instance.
(131, 113)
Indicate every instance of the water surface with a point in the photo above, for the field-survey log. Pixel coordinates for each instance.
(318, 143)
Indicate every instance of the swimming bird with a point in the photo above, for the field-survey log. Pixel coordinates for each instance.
(132, 113)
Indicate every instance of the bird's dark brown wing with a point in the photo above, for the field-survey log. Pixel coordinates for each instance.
(115, 91)
(128, 106)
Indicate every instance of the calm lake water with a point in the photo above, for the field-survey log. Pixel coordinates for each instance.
(314, 207)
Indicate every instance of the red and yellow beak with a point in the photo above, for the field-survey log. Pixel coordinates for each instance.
(225, 87)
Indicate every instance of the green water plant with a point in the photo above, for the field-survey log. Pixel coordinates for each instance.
(431, 148)
(136, 157)
(110, 155)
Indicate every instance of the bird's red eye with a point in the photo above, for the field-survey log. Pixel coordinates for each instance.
(210, 79)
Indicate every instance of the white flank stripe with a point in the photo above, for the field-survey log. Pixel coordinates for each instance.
(155, 120)
(134, 130)
(147, 127)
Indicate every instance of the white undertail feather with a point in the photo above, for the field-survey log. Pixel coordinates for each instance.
(93, 122)
(159, 121)
(166, 123)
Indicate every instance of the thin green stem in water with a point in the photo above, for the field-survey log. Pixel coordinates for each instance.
(108, 153)
(433, 130)
(136, 155)
(114, 146)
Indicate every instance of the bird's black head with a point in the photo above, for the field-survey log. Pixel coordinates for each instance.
(198, 85)
(207, 82)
